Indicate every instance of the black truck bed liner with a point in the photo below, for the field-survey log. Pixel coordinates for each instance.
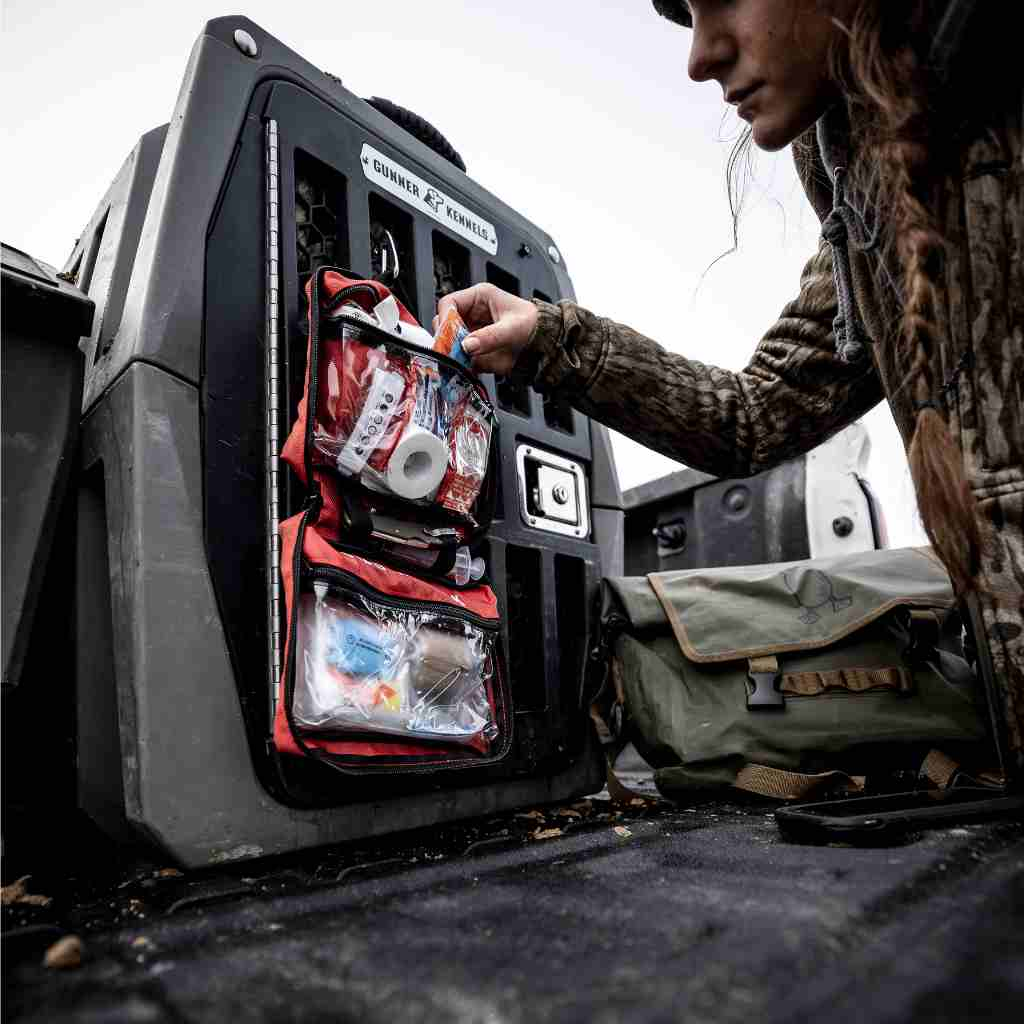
(641, 913)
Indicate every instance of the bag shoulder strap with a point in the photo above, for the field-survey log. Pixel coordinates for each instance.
(779, 784)
(938, 768)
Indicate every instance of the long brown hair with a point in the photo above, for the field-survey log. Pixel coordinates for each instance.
(905, 114)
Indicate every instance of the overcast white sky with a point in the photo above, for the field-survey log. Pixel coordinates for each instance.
(578, 114)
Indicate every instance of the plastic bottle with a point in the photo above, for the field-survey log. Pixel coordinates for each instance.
(466, 567)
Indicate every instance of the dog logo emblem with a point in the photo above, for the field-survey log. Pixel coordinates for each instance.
(813, 590)
(434, 199)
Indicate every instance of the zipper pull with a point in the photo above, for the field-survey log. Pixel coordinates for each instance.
(314, 502)
(320, 590)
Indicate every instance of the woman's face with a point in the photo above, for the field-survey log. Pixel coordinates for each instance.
(771, 59)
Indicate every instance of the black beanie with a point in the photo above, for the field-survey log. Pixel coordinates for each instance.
(674, 10)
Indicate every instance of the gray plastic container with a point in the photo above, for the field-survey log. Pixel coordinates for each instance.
(43, 319)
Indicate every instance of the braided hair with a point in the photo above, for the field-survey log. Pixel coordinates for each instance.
(901, 99)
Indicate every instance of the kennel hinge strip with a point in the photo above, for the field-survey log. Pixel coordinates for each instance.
(274, 363)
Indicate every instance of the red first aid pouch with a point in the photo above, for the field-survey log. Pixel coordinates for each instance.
(389, 665)
(406, 430)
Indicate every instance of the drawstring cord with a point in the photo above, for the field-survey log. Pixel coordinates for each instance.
(841, 229)
(851, 339)
(845, 221)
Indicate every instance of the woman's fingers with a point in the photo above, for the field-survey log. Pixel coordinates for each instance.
(486, 339)
(474, 305)
(500, 325)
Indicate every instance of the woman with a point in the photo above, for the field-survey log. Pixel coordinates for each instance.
(906, 123)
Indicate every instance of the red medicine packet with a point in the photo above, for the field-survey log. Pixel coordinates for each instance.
(467, 460)
(449, 338)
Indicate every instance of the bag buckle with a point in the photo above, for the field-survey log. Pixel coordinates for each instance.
(923, 632)
(764, 674)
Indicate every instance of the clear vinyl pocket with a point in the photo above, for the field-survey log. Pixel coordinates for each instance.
(402, 677)
(405, 423)
(391, 669)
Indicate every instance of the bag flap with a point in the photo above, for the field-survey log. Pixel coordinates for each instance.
(752, 611)
(631, 598)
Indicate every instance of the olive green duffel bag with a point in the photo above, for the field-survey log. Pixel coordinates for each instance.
(788, 678)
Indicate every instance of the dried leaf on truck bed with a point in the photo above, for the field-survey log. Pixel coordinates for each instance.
(17, 892)
(547, 833)
(12, 893)
(35, 901)
(66, 952)
(619, 793)
(566, 813)
(532, 815)
(168, 873)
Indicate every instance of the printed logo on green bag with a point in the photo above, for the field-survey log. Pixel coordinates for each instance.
(813, 590)
(421, 195)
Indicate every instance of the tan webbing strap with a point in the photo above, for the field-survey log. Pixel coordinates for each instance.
(939, 768)
(620, 689)
(768, 663)
(607, 731)
(853, 680)
(607, 719)
(783, 785)
(991, 779)
(604, 734)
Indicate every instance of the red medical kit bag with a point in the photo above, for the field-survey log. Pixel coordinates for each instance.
(393, 658)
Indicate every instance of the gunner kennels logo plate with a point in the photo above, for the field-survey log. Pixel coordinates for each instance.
(412, 189)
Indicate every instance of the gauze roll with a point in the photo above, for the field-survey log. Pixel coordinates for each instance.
(446, 649)
(445, 667)
(418, 463)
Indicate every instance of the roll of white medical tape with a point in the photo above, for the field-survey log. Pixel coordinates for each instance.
(418, 463)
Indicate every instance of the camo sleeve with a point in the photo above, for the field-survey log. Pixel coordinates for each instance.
(794, 393)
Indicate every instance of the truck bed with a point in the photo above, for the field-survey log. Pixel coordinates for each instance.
(595, 911)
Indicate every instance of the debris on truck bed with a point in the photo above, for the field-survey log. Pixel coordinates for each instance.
(703, 911)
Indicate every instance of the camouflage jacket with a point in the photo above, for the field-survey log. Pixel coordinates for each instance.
(795, 391)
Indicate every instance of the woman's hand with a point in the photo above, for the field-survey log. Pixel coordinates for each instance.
(500, 324)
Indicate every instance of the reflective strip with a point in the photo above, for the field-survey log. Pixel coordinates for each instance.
(853, 680)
